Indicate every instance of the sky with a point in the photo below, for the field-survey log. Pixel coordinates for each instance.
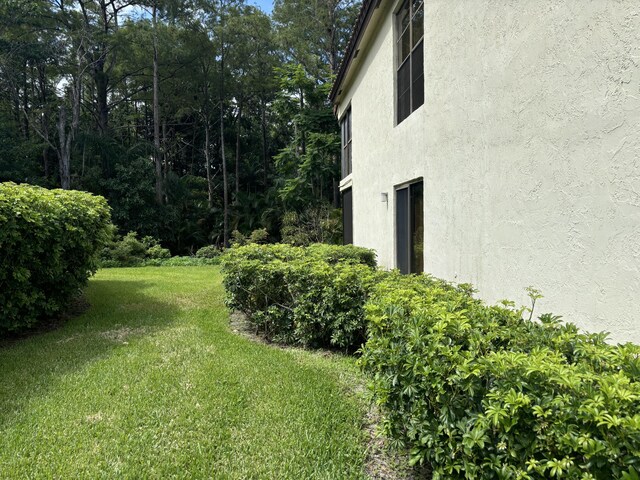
(266, 5)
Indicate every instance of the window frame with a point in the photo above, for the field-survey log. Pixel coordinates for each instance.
(409, 99)
(346, 142)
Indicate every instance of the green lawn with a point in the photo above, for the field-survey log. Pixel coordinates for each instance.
(151, 383)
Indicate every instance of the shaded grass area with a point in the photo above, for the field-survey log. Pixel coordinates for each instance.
(151, 383)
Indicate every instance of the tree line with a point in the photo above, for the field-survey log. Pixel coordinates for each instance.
(194, 118)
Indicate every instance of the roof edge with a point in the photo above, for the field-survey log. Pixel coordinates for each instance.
(366, 12)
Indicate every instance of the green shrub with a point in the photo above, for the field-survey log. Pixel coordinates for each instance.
(210, 251)
(311, 297)
(318, 224)
(479, 393)
(49, 245)
(259, 236)
(129, 251)
(179, 262)
(157, 252)
(342, 253)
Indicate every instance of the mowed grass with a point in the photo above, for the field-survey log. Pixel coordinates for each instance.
(151, 383)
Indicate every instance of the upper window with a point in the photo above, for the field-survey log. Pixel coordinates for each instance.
(345, 125)
(410, 57)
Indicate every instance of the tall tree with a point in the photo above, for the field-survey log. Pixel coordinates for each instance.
(314, 34)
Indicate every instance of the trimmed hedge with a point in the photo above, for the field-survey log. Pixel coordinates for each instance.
(49, 245)
(312, 296)
(478, 393)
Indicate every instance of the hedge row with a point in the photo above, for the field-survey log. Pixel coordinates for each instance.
(49, 245)
(312, 296)
(473, 390)
(479, 393)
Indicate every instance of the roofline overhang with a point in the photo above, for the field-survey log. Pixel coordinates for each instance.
(362, 22)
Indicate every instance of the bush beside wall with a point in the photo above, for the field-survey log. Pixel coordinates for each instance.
(49, 245)
(311, 296)
(473, 390)
(479, 393)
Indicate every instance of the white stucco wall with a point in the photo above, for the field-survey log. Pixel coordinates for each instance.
(529, 145)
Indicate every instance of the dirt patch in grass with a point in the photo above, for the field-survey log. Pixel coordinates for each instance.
(383, 462)
(122, 334)
(241, 326)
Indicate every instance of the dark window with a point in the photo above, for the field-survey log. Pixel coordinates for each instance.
(345, 125)
(410, 228)
(347, 216)
(410, 55)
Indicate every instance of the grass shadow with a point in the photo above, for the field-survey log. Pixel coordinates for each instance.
(121, 312)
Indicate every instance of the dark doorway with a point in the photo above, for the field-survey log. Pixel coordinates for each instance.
(347, 216)
(410, 228)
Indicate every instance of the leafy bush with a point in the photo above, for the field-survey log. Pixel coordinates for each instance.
(49, 244)
(179, 262)
(330, 253)
(479, 393)
(129, 251)
(258, 236)
(210, 251)
(312, 297)
(321, 224)
(126, 251)
(157, 252)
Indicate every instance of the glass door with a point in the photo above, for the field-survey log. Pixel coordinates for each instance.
(347, 216)
(410, 228)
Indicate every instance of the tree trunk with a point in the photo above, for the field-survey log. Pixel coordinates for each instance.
(207, 159)
(25, 104)
(263, 122)
(67, 135)
(165, 159)
(238, 128)
(101, 81)
(303, 133)
(64, 150)
(44, 119)
(225, 179)
(157, 154)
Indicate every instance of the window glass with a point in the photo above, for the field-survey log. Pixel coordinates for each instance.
(404, 14)
(405, 45)
(410, 58)
(417, 76)
(417, 227)
(347, 216)
(345, 127)
(410, 228)
(404, 90)
(418, 25)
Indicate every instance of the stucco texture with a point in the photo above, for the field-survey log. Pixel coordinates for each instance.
(529, 147)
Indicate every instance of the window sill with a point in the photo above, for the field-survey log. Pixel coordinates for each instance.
(346, 182)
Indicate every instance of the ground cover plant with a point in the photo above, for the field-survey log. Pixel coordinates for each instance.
(480, 393)
(312, 296)
(150, 382)
(49, 244)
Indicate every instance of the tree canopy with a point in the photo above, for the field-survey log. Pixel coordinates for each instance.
(193, 118)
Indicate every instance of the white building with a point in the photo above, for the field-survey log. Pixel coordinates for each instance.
(497, 142)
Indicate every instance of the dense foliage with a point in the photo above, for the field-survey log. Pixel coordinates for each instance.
(49, 245)
(303, 296)
(479, 393)
(194, 118)
(130, 251)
